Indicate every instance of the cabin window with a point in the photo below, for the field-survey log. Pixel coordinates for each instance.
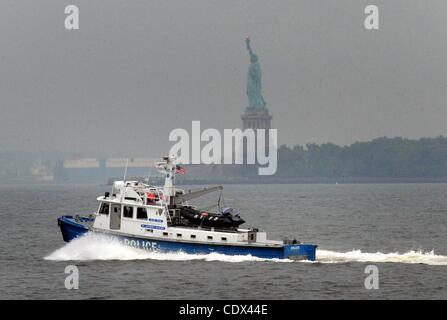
(210, 237)
(193, 236)
(104, 208)
(179, 235)
(141, 213)
(165, 233)
(224, 239)
(128, 212)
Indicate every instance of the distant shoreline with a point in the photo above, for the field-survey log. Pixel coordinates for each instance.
(242, 181)
(311, 181)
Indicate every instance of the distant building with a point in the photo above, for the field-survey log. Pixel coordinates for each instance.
(101, 170)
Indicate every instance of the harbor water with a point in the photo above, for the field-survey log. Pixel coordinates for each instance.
(399, 228)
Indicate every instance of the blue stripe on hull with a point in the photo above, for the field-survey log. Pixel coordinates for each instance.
(71, 230)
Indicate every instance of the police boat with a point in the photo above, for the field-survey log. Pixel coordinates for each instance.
(160, 219)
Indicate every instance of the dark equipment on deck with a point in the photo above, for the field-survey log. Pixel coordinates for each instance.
(215, 220)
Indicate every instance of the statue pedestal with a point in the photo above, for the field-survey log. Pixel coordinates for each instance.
(255, 118)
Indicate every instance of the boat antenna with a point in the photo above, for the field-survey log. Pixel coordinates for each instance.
(124, 179)
(125, 171)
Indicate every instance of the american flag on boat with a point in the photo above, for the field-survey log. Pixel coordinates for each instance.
(179, 169)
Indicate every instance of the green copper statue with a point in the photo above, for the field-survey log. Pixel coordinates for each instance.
(254, 82)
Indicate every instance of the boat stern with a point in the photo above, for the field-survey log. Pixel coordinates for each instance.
(300, 251)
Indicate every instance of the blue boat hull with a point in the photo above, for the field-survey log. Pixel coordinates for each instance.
(71, 229)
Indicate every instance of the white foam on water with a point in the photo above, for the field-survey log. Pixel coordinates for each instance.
(96, 247)
(101, 247)
(411, 257)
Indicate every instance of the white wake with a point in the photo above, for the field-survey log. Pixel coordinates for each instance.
(411, 257)
(101, 247)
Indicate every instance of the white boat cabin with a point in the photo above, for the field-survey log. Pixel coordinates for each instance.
(137, 209)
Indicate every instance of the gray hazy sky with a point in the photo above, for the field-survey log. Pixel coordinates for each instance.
(137, 69)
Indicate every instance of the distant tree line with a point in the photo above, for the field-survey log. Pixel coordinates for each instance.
(379, 158)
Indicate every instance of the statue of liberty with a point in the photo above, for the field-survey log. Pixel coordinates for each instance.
(254, 81)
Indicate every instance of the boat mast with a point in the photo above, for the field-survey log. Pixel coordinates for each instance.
(167, 167)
